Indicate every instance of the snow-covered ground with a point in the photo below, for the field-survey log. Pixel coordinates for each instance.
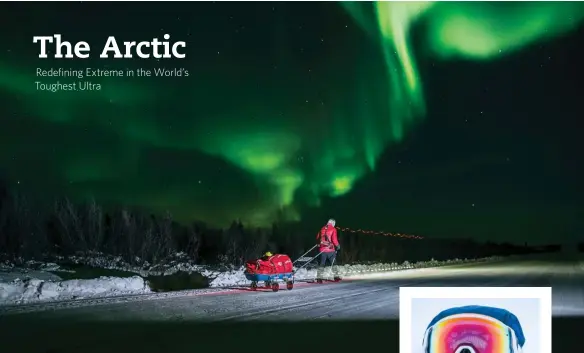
(30, 282)
(237, 277)
(180, 262)
(34, 283)
(9, 272)
(32, 290)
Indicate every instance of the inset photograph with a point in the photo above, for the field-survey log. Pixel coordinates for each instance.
(475, 320)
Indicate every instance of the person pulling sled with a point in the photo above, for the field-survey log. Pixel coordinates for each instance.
(328, 247)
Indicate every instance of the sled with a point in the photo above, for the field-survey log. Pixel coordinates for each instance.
(272, 271)
(271, 280)
(279, 269)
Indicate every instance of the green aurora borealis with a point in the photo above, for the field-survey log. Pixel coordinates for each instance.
(232, 141)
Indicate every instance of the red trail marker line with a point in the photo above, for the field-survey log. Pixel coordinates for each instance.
(385, 234)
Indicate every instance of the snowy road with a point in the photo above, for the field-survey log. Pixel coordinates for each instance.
(363, 300)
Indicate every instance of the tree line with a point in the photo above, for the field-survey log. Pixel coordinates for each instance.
(66, 228)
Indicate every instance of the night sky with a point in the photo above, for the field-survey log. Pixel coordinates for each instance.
(442, 120)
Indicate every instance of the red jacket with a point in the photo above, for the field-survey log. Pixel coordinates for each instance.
(327, 238)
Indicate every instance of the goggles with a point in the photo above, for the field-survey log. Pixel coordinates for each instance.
(470, 333)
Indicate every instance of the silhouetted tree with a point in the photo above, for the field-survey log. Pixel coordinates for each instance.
(31, 231)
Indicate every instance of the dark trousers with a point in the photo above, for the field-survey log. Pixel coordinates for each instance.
(326, 257)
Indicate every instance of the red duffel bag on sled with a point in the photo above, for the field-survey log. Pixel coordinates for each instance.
(278, 263)
(270, 269)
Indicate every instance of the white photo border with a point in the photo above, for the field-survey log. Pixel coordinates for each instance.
(406, 294)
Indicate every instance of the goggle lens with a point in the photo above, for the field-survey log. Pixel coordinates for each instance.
(476, 334)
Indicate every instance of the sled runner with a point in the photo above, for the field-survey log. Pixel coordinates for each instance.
(324, 280)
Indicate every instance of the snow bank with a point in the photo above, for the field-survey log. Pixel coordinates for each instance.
(31, 282)
(237, 277)
(180, 262)
(32, 290)
(8, 274)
